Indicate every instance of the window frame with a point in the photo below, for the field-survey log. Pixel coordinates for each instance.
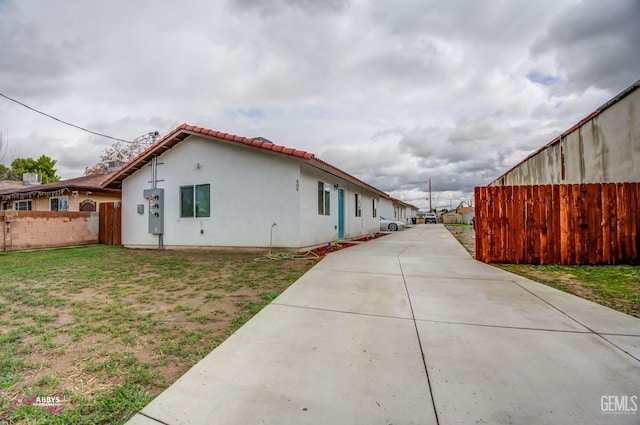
(358, 204)
(374, 207)
(28, 201)
(195, 202)
(324, 198)
(58, 198)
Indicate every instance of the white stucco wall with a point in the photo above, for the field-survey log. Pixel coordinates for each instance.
(315, 228)
(250, 190)
(386, 208)
(366, 223)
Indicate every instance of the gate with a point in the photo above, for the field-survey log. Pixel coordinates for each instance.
(110, 232)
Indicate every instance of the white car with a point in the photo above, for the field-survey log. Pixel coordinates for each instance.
(392, 225)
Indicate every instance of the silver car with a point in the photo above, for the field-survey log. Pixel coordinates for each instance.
(392, 225)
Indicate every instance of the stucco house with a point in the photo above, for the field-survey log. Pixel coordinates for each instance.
(461, 215)
(77, 194)
(203, 188)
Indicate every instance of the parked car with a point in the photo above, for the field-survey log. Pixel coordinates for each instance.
(430, 218)
(392, 225)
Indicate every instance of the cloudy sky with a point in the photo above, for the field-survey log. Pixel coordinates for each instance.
(392, 91)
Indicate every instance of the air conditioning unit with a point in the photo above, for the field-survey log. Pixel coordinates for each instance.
(31, 179)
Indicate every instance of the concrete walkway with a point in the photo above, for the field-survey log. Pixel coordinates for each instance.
(409, 329)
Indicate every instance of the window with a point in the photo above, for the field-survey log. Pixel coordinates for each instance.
(60, 203)
(195, 201)
(324, 199)
(375, 210)
(358, 205)
(3, 205)
(22, 205)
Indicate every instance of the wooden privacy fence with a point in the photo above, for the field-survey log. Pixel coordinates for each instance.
(558, 224)
(110, 229)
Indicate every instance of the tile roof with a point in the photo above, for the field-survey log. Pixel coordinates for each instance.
(183, 131)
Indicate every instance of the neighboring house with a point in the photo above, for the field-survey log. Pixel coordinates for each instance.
(78, 194)
(466, 214)
(461, 215)
(602, 148)
(219, 190)
(450, 217)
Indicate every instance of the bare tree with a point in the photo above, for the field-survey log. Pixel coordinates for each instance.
(122, 152)
(4, 145)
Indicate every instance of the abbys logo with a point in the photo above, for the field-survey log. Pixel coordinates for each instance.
(47, 401)
(616, 404)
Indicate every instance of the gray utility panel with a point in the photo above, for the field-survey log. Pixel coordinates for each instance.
(155, 197)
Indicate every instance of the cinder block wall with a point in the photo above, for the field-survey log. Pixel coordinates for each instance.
(47, 229)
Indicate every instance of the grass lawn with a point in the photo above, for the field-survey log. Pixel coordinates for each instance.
(105, 329)
(617, 287)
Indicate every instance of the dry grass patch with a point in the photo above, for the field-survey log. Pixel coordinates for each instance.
(105, 329)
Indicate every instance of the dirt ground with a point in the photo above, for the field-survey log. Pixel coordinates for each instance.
(77, 324)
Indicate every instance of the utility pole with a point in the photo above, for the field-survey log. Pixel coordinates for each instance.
(430, 209)
(429, 198)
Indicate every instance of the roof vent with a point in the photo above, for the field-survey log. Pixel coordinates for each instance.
(31, 179)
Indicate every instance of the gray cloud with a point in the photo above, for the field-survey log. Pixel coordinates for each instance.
(591, 40)
(271, 7)
(30, 63)
(392, 92)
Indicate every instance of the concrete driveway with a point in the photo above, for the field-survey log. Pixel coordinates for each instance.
(409, 329)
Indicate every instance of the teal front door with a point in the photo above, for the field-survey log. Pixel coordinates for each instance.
(340, 213)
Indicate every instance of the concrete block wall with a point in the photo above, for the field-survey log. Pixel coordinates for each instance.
(44, 229)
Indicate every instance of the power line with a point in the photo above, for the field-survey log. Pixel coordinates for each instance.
(62, 121)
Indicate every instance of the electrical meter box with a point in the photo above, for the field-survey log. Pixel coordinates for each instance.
(155, 199)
